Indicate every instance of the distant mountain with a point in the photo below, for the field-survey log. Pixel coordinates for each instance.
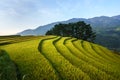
(116, 17)
(107, 30)
(97, 23)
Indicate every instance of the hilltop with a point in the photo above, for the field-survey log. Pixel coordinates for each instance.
(107, 29)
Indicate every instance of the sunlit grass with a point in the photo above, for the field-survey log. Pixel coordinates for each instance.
(31, 63)
(59, 58)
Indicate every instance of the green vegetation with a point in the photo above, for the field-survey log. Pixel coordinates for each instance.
(56, 58)
(30, 62)
(4, 40)
(110, 40)
(79, 30)
(7, 67)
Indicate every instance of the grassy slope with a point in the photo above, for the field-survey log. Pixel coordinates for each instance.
(4, 40)
(63, 67)
(62, 58)
(32, 65)
(7, 67)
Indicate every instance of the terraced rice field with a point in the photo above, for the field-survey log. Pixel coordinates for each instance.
(60, 58)
(4, 40)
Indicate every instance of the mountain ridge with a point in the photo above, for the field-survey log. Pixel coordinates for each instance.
(101, 21)
(107, 30)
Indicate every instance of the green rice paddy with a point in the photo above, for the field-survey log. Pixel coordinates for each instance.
(56, 58)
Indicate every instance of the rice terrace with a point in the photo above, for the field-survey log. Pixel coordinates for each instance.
(59, 39)
(56, 58)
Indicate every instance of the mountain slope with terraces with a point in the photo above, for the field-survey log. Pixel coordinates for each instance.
(60, 58)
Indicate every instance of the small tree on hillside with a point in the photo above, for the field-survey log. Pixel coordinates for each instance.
(79, 30)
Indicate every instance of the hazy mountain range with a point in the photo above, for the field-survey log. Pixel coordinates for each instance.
(106, 28)
(96, 22)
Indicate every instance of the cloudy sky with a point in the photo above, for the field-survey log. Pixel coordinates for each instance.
(18, 15)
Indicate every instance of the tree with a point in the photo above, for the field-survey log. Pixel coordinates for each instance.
(79, 30)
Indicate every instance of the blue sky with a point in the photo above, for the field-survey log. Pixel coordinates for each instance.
(18, 15)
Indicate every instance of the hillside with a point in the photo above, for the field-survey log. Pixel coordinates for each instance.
(61, 58)
(106, 28)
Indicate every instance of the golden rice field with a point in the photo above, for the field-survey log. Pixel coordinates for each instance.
(56, 58)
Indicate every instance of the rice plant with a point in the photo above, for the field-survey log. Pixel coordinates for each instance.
(56, 58)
